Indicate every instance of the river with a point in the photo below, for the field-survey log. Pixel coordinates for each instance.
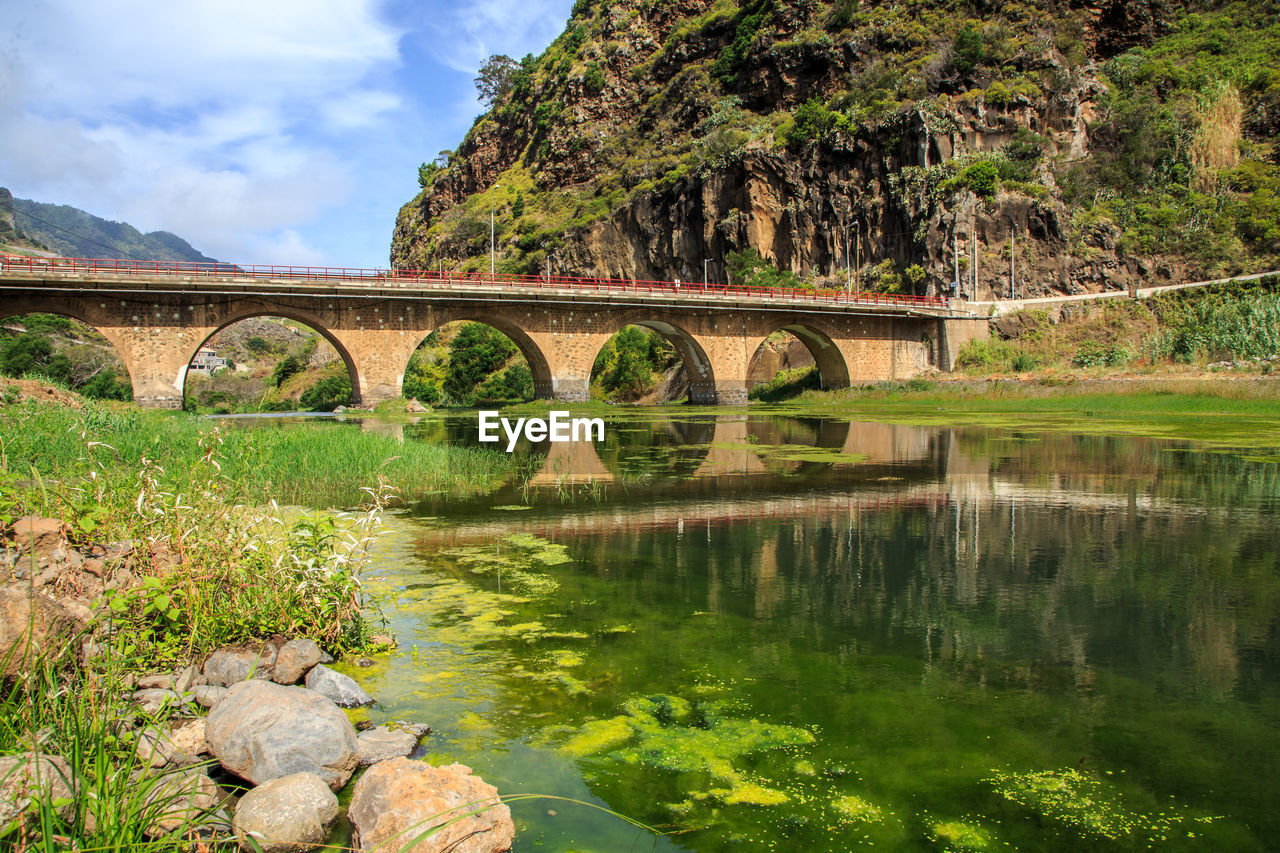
(777, 632)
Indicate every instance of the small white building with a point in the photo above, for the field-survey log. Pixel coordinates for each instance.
(207, 361)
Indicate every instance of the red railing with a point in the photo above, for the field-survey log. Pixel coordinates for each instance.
(403, 278)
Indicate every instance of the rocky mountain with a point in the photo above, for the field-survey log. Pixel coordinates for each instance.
(1094, 143)
(72, 233)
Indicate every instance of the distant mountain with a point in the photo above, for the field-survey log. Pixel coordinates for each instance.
(73, 233)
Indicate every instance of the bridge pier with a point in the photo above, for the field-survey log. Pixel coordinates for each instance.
(567, 390)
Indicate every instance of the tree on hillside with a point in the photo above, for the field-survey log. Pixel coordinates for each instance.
(495, 78)
(32, 354)
(476, 353)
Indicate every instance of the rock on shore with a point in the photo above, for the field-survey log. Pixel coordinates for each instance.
(395, 801)
(284, 815)
(262, 731)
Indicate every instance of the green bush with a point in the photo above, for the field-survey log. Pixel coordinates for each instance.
(1095, 354)
(290, 365)
(624, 367)
(106, 385)
(593, 79)
(967, 48)
(811, 122)
(983, 177)
(327, 394)
(512, 385)
(31, 353)
(46, 324)
(474, 354)
(750, 269)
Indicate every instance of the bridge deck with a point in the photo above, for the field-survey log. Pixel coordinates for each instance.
(78, 274)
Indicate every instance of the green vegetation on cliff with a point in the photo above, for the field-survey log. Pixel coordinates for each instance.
(1140, 143)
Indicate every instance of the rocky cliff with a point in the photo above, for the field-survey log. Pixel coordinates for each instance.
(906, 146)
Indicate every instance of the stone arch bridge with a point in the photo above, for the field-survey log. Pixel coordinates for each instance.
(157, 315)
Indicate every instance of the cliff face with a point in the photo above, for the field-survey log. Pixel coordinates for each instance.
(899, 144)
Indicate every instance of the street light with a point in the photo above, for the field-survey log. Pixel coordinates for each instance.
(848, 263)
(491, 242)
(704, 271)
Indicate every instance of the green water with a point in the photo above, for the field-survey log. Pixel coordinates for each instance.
(768, 633)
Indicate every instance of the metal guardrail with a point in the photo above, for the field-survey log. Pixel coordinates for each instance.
(71, 267)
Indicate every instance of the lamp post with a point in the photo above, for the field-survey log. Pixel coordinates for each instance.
(848, 264)
(491, 240)
(857, 248)
(705, 261)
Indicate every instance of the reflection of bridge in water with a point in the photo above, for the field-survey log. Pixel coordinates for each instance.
(889, 468)
(740, 445)
(728, 445)
(688, 516)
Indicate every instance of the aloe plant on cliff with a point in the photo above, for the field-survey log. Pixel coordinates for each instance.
(1119, 141)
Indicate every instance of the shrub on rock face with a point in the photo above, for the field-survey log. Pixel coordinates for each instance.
(262, 731)
(397, 801)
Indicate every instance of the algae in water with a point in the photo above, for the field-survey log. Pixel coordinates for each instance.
(668, 733)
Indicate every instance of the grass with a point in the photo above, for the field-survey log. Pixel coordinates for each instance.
(77, 717)
(1217, 413)
(326, 463)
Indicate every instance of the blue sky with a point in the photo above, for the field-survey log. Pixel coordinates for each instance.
(262, 131)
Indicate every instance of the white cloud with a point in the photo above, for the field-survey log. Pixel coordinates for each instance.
(475, 31)
(252, 128)
(228, 122)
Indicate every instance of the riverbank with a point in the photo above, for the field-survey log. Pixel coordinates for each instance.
(50, 433)
(1218, 412)
(139, 553)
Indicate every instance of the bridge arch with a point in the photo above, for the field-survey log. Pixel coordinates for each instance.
(77, 309)
(833, 370)
(698, 365)
(306, 318)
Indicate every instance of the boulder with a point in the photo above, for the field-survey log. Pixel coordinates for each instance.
(396, 801)
(179, 746)
(154, 700)
(155, 681)
(26, 780)
(183, 800)
(284, 815)
(295, 659)
(39, 536)
(262, 731)
(185, 678)
(30, 624)
(339, 688)
(208, 695)
(226, 667)
(383, 744)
